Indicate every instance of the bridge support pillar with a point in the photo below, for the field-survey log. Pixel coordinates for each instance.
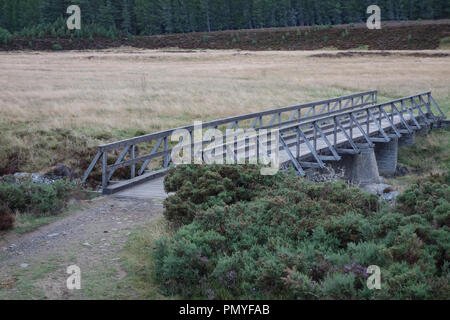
(361, 168)
(424, 130)
(387, 156)
(407, 140)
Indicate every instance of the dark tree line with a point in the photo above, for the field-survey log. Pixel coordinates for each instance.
(169, 16)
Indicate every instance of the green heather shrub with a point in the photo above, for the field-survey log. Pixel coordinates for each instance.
(36, 198)
(242, 235)
(5, 36)
(57, 47)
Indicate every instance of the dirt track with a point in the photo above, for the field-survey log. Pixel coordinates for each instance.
(91, 238)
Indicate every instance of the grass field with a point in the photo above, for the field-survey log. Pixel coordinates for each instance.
(54, 106)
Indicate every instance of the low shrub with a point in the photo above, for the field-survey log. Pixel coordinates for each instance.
(5, 36)
(199, 187)
(28, 197)
(245, 236)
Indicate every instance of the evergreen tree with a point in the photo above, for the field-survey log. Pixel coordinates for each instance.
(167, 16)
(126, 18)
(106, 17)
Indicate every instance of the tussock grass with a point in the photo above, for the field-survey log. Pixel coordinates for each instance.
(57, 106)
(430, 154)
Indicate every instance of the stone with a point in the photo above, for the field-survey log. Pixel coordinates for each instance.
(376, 188)
(401, 171)
(62, 171)
(390, 196)
(53, 235)
(24, 265)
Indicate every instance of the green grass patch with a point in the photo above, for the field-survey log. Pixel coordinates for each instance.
(138, 262)
(26, 222)
(330, 48)
(444, 43)
(429, 154)
(25, 280)
(361, 47)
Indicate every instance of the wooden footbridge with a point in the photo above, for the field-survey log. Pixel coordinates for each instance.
(309, 135)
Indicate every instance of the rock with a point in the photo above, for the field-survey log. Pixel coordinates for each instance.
(391, 196)
(401, 171)
(24, 265)
(376, 188)
(21, 177)
(384, 191)
(62, 171)
(87, 244)
(53, 235)
(327, 174)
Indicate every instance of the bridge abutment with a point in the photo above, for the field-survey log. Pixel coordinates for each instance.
(386, 155)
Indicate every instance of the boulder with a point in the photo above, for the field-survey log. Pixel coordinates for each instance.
(62, 171)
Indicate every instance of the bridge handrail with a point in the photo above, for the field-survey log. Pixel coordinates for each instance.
(331, 115)
(358, 99)
(152, 136)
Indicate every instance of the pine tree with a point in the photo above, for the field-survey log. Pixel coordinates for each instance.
(106, 17)
(126, 20)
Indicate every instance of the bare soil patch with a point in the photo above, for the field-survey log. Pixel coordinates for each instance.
(410, 35)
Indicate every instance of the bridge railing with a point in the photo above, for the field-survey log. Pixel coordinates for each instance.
(276, 118)
(323, 138)
(328, 131)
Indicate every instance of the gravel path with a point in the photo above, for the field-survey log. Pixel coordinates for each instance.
(91, 238)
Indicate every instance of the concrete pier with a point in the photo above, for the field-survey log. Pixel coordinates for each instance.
(387, 155)
(407, 140)
(361, 168)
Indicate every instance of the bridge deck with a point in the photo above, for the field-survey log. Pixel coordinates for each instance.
(154, 189)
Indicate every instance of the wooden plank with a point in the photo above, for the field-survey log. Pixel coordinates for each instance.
(122, 185)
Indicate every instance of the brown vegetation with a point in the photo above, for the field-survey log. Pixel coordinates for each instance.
(56, 107)
(412, 35)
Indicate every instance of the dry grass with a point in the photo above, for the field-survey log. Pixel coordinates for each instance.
(112, 94)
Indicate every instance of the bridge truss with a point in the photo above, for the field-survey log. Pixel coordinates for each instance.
(309, 135)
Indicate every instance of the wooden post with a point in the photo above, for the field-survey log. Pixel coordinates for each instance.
(166, 156)
(133, 166)
(104, 169)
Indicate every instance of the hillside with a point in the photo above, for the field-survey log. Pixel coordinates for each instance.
(412, 35)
